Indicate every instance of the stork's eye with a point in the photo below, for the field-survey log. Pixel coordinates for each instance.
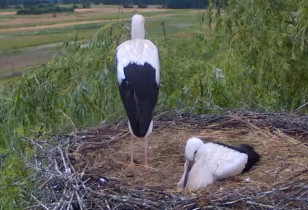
(195, 152)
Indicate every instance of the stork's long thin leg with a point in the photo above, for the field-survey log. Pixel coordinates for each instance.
(146, 151)
(131, 150)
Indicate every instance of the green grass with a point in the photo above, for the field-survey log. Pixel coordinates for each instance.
(181, 23)
(69, 5)
(4, 82)
(18, 16)
(31, 40)
(47, 36)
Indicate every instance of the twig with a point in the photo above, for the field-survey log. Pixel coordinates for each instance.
(260, 204)
(67, 169)
(39, 202)
(70, 120)
(33, 142)
(301, 106)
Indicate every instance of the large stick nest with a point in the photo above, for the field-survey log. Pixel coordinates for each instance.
(88, 169)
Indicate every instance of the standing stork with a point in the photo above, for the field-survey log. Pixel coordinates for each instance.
(137, 64)
(211, 161)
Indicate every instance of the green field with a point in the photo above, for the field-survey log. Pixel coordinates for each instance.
(26, 31)
(179, 21)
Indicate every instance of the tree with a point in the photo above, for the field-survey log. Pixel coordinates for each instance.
(265, 48)
(4, 3)
(181, 4)
(86, 3)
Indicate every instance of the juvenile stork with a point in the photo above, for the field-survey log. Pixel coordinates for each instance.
(137, 64)
(208, 162)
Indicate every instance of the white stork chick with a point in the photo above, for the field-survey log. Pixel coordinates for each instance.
(137, 64)
(211, 161)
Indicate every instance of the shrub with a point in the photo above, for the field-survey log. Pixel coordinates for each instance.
(263, 54)
(75, 6)
(128, 6)
(49, 98)
(140, 5)
(43, 8)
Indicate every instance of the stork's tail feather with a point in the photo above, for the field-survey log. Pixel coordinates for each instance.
(253, 156)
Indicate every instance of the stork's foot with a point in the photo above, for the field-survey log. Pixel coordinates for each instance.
(131, 165)
(134, 166)
(147, 167)
(127, 166)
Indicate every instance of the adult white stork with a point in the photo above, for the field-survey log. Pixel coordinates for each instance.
(137, 64)
(211, 161)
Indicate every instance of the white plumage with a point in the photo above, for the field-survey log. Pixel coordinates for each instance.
(208, 162)
(138, 51)
(138, 79)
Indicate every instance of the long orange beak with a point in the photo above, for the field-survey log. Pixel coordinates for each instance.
(189, 165)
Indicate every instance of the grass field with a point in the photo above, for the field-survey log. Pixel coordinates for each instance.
(19, 33)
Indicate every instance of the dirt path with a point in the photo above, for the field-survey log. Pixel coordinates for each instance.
(7, 13)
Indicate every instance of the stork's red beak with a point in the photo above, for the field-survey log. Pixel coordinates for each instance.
(189, 165)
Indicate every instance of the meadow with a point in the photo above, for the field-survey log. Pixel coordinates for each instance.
(27, 34)
(211, 61)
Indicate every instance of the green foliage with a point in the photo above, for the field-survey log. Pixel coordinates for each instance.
(68, 86)
(76, 89)
(42, 8)
(184, 4)
(14, 182)
(127, 5)
(254, 58)
(4, 4)
(142, 5)
(86, 4)
(264, 53)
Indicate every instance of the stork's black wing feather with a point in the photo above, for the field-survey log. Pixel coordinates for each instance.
(253, 156)
(139, 93)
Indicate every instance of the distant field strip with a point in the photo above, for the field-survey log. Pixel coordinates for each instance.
(17, 21)
(59, 25)
(62, 25)
(26, 58)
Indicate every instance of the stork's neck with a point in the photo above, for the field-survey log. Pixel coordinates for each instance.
(138, 31)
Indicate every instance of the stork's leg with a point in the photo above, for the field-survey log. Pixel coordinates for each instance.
(146, 151)
(131, 150)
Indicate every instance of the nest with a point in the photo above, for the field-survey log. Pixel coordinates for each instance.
(88, 169)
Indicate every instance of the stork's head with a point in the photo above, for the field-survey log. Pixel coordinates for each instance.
(138, 31)
(191, 153)
(138, 19)
(192, 146)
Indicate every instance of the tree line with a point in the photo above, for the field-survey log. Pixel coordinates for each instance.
(173, 4)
